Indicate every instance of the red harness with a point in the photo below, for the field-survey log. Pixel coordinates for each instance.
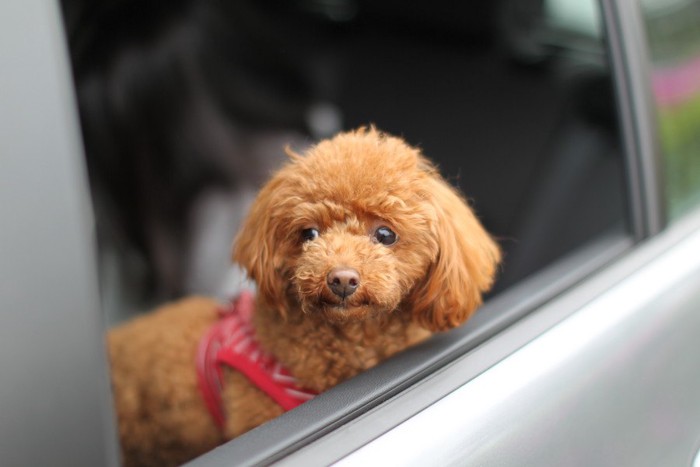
(231, 342)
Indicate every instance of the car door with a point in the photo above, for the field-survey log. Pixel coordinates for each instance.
(585, 355)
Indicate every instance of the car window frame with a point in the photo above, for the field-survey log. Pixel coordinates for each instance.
(631, 68)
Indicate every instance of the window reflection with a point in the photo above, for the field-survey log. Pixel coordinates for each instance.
(673, 29)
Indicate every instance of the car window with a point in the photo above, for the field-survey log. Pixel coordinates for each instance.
(186, 111)
(673, 33)
(182, 123)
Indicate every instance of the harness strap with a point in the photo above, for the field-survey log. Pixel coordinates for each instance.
(231, 342)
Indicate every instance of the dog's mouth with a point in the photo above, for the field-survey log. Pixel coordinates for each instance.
(344, 309)
(361, 304)
(344, 304)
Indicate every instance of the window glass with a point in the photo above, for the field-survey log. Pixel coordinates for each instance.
(673, 30)
(186, 111)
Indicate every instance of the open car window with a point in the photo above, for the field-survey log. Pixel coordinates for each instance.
(185, 111)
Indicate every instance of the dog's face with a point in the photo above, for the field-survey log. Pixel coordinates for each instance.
(363, 225)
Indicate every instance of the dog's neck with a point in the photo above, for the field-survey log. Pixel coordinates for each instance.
(321, 354)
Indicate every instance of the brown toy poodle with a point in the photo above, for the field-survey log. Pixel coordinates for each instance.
(359, 249)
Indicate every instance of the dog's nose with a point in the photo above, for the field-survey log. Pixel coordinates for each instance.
(343, 281)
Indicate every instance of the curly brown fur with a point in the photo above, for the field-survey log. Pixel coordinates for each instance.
(430, 279)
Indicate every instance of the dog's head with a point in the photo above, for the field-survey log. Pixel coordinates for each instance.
(363, 225)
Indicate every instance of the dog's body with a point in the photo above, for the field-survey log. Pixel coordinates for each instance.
(358, 249)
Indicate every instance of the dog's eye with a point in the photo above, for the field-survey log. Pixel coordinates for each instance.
(309, 234)
(385, 236)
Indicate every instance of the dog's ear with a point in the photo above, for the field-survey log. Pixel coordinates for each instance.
(258, 247)
(465, 264)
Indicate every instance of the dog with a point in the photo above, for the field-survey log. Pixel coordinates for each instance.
(359, 249)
